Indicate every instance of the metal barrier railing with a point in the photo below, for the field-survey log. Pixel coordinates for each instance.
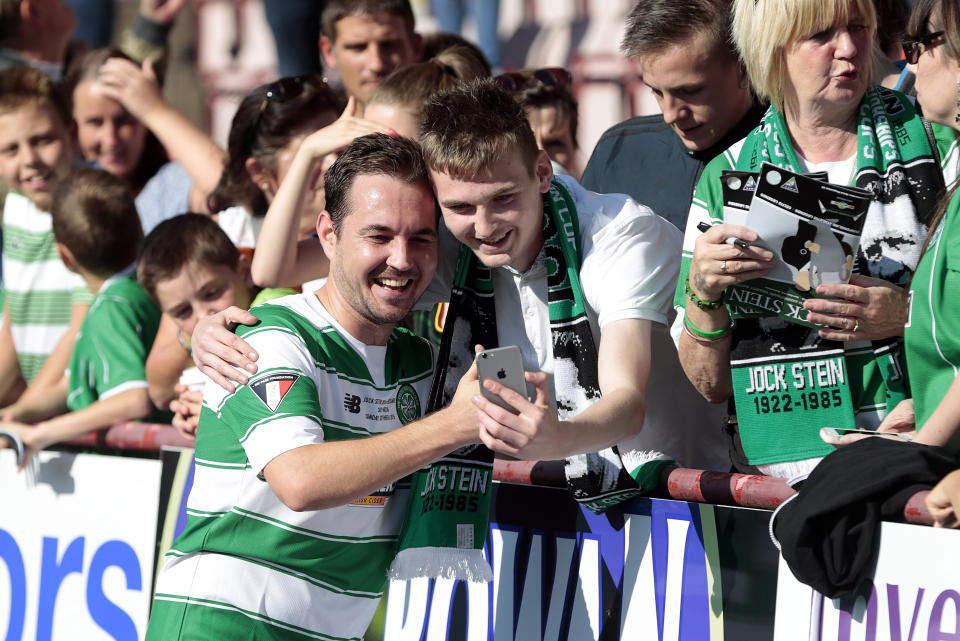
(681, 484)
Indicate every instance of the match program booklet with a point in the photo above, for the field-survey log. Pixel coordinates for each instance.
(812, 227)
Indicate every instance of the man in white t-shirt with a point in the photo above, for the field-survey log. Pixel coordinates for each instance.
(497, 193)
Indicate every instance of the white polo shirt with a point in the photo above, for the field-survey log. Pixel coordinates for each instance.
(631, 262)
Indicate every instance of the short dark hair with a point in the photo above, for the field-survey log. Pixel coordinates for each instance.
(20, 86)
(465, 130)
(557, 96)
(94, 216)
(373, 154)
(336, 10)
(179, 241)
(656, 25)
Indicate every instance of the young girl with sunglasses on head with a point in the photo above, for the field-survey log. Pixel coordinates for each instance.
(267, 130)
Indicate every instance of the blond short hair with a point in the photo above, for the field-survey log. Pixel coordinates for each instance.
(762, 29)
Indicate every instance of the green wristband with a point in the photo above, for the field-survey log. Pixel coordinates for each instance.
(704, 334)
(699, 302)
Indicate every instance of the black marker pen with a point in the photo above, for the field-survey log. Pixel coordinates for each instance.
(732, 240)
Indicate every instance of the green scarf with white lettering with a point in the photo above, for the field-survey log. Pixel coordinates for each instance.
(786, 379)
(447, 517)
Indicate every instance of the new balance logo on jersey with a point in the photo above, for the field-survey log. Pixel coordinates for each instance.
(271, 389)
(351, 403)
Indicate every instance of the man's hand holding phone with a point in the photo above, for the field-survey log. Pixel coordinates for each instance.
(516, 426)
(504, 366)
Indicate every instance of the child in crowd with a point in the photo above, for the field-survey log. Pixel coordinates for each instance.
(191, 269)
(44, 303)
(97, 233)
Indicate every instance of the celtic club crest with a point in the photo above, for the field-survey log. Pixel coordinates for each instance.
(408, 404)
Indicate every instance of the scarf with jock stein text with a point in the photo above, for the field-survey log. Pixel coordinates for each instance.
(898, 162)
(447, 516)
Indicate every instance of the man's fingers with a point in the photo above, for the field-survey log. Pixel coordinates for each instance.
(495, 412)
(222, 349)
(496, 444)
(539, 381)
(218, 378)
(512, 399)
(223, 363)
(239, 315)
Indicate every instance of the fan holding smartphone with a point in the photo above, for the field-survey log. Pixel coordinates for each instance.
(505, 366)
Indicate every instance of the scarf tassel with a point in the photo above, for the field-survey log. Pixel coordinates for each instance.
(441, 562)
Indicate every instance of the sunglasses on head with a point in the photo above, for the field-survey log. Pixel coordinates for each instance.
(284, 90)
(913, 48)
(516, 81)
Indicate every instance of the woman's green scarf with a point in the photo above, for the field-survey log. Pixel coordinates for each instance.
(897, 161)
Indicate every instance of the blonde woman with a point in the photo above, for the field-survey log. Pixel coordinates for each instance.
(812, 60)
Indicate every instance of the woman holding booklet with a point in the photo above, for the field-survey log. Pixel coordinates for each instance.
(812, 60)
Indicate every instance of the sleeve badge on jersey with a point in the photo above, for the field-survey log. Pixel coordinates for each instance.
(271, 389)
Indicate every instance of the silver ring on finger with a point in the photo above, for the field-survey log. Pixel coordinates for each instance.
(856, 325)
(723, 265)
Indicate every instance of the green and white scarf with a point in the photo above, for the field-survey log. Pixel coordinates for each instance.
(897, 162)
(449, 542)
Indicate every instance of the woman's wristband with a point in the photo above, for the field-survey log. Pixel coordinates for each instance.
(701, 335)
(708, 305)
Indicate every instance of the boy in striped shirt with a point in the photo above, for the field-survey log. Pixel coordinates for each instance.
(98, 232)
(44, 304)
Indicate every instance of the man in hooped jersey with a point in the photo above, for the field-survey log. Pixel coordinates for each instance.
(294, 512)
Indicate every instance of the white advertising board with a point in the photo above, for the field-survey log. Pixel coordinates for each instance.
(915, 594)
(77, 546)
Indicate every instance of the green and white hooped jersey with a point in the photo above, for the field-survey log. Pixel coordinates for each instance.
(246, 565)
(39, 290)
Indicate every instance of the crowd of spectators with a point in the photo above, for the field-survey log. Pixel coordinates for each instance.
(134, 247)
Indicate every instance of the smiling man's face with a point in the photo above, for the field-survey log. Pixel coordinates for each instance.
(498, 213)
